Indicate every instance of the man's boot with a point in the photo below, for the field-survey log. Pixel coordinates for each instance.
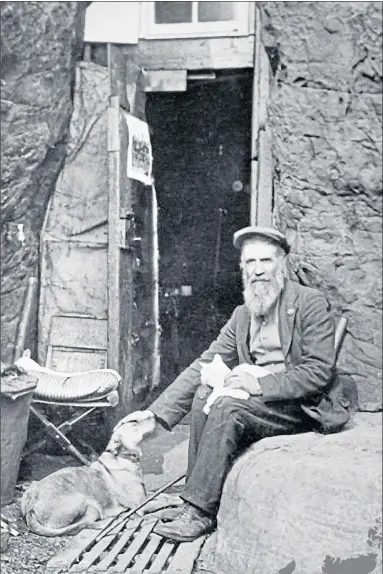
(170, 513)
(191, 523)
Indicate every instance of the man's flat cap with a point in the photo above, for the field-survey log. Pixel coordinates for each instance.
(273, 235)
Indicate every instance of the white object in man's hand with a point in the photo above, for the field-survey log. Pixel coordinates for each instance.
(246, 377)
(136, 417)
(213, 374)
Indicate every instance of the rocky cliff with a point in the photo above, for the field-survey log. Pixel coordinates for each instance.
(326, 112)
(40, 44)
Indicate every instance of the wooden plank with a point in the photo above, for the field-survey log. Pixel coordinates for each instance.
(161, 558)
(164, 80)
(125, 558)
(265, 179)
(127, 258)
(155, 293)
(265, 172)
(78, 332)
(64, 559)
(94, 552)
(144, 558)
(255, 120)
(264, 86)
(185, 556)
(90, 557)
(116, 22)
(254, 191)
(194, 53)
(70, 360)
(113, 553)
(113, 235)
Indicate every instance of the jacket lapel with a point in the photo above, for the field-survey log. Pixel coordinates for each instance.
(287, 313)
(243, 331)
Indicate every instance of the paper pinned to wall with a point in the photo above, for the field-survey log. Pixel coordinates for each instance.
(112, 22)
(140, 158)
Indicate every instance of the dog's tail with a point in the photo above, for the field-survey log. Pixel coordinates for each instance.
(36, 527)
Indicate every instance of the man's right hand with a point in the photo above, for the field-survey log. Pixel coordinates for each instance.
(136, 417)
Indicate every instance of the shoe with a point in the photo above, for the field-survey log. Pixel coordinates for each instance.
(191, 523)
(171, 513)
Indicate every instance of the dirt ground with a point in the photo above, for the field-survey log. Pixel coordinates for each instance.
(26, 553)
(164, 457)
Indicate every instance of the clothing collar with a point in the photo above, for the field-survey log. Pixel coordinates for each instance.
(287, 312)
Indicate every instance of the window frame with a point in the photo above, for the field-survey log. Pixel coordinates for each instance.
(240, 26)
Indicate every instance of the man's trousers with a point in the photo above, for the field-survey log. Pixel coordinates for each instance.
(218, 438)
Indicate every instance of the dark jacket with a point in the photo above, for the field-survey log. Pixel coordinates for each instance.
(307, 330)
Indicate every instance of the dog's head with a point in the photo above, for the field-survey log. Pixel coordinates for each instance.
(126, 439)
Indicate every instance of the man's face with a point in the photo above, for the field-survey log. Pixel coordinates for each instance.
(263, 266)
(259, 261)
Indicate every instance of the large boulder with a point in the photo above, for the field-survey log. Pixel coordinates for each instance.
(325, 114)
(307, 504)
(40, 44)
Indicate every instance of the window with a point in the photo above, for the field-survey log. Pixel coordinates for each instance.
(193, 19)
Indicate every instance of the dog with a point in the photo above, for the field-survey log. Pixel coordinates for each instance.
(74, 498)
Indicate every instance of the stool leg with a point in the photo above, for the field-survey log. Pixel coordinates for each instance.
(58, 436)
(65, 444)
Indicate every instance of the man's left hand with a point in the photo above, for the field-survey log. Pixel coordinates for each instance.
(244, 381)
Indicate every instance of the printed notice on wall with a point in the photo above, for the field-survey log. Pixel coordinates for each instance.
(140, 160)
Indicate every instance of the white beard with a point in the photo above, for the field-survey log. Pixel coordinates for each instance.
(260, 297)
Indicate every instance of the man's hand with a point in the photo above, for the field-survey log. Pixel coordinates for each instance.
(243, 380)
(136, 417)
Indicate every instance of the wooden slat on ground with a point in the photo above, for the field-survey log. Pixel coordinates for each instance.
(64, 560)
(160, 560)
(145, 557)
(91, 556)
(111, 556)
(183, 560)
(130, 548)
(126, 558)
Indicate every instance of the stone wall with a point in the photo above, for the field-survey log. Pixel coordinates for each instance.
(325, 113)
(40, 44)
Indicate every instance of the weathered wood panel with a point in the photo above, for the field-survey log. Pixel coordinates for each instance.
(165, 80)
(74, 237)
(195, 53)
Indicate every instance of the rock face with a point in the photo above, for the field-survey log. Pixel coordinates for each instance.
(287, 508)
(325, 112)
(40, 43)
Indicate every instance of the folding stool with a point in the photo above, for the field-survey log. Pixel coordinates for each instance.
(76, 343)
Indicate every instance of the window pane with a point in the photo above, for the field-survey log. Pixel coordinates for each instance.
(173, 12)
(215, 11)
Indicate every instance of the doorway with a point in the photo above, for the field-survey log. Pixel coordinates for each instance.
(201, 147)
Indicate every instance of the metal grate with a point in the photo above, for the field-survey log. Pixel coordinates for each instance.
(132, 548)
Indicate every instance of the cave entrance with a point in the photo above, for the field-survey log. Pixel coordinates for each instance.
(201, 142)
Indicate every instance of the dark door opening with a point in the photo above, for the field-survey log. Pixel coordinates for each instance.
(201, 146)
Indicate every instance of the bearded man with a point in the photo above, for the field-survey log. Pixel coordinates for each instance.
(285, 328)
